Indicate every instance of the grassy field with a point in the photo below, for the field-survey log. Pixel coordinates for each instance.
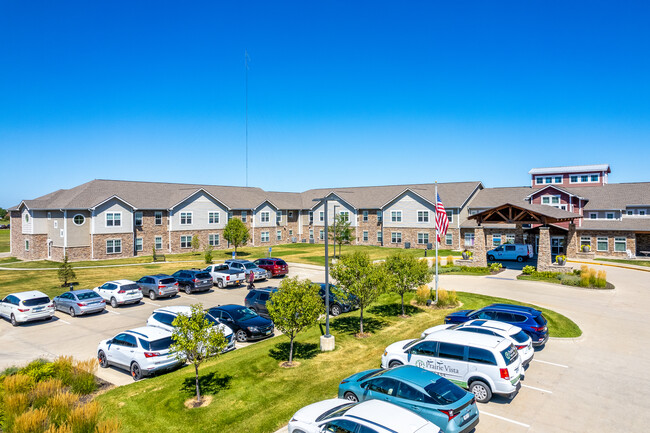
(253, 394)
(4, 241)
(628, 262)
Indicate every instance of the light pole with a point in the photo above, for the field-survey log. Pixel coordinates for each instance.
(327, 340)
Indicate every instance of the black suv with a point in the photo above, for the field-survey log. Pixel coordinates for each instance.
(339, 301)
(245, 323)
(256, 300)
(193, 280)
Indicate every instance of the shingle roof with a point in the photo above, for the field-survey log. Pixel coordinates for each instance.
(541, 209)
(626, 224)
(492, 197)
(570, 169)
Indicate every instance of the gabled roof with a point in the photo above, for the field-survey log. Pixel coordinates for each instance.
(615, 195)
(571, 169)
(491, 197)
(524, 213)
(569, 191)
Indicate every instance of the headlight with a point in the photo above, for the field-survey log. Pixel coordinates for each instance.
(253, 328)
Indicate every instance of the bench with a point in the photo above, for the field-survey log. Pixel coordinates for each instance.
(158, 257)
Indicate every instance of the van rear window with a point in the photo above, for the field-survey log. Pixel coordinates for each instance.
(510, 354)
(36, 301)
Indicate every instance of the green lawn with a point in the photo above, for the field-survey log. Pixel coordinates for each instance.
(4, 240)
(627, 262)
(253, 394)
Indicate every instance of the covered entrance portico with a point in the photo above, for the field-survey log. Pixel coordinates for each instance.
(542, 224)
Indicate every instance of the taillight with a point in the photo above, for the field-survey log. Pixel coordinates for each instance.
(23, 310)
(537, 328)
(344, 381)
(151, 354)
(51, 305)
(81, 304)
(450, 413)
(160, 286)
(504, 373)
(122, 291)
(176, 283)
(196, 280)
(227, 277)
(522, 347)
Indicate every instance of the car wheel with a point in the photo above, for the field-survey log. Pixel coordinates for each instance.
(220, 284)
(188, 290)
(351, 396)
(335, 310)
(481, 391)
(101, 357)
(72, 313)
(114, 303)
(394, 364)
(136, 372)
(13, 321)
(490, 257)
(520, 259)
(241, 336)
(152, 295)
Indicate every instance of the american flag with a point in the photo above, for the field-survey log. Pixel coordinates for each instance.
(442, 222)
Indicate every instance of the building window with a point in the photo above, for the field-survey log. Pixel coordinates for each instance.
(558, 179)
(380, 216)
(321, 235)
(473, 211)
(113, 219)
(186, 218)
(610, 215)
(380, 237)
(450, 216)
(229, 216)
(56, 224)
(548, 179)
(642, 212)
(396, 237)
(213, 239)
(138, 218)
(290, 232)
(265, 237)
(630, 212)
(539, 180)
(423, 238)
(113, 246)
(365, 215)
(26, 245)
(496, 240)
(278, 217)
(449, 239)
(186, 241)
(345, 215)
(593, 216)
(469, 239)
(595, 178)
(510, 238)
(423, 216)
(365, 236)
(321, 216)
(244, 215)
(158, 242)
(311, 233)
(157, 217)
(620, 244)
(213, 217)
(26, 217)
(584, 178)
(290, 214)
(61, 233)
(396, 216)
(138, 244)
(278, 235)
(311, 217)
(585, 240)
(601, 244)
(49, 215)
(79, 219)
(265, 217)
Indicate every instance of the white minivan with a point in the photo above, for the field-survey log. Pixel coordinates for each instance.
(484, 364)
(26, 307)
(518, 252)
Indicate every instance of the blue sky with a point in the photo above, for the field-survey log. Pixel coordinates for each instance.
(340, 93)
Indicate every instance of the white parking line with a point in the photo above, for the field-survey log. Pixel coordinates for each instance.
(63, 321)
(551, 363)
(151, 303)
(537, 389)
(189, 297)
(112, 312)
(482, 412)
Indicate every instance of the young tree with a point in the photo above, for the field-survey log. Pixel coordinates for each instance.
(196, 243)
(236, 233)
(405, 273)
(3, 213)
(65, 272)
(342, 233)
(207, 255)
(194, 340)
(360, 277)
(295, 306)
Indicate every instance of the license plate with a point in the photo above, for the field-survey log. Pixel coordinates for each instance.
(38, 308)
(268, 332)
(466, 416)
(132, 293)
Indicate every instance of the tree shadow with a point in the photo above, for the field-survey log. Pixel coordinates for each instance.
(210, 383)
(391, 310)
(300, 351)
(350, 324)
(240, 254)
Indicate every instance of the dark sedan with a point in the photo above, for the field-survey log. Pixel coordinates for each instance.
(245, 323)
(340, 302)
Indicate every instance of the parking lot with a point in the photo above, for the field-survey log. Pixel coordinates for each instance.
(597, 382)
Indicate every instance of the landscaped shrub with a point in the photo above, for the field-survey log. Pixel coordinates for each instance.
(39, 369)
(422, 295)
(59, 407)
(450, 260)
(45, 390)
(601, 279)
(84, 418)
(494, 267)
(446, 299)
(32, 421)
(528, 270)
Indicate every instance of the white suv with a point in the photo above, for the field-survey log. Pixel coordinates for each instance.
(163, 318)
(515, 334)
(371, 416)
(142, 351)
(120, 292)
(484, 364)
(26, 307)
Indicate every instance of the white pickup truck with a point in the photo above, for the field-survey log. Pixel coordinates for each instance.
(223, 276)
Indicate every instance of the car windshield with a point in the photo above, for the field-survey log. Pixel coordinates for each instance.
(36, 301)
(442, 391)
(87, 295)
(162, 344)
(167, 281)
(412, 343)
(509, 354)
(337, 411)
(202, 275)
(520, 337)
(242, 314)
(540, 320)
(129, 287)
(250, 265)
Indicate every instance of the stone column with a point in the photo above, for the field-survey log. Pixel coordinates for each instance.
(572, 242)
(544, 254)
(479, 258)
(519, 234)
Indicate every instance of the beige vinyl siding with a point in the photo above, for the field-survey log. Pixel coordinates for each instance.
(409, 204)
(113, 205)
(78, 236)
(258, 216)
(28, 224)
(342, 206)
(200, 205)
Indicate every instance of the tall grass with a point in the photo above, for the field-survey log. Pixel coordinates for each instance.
(447, 299)
(32, 421)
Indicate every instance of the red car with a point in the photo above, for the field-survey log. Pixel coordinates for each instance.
(274, 266)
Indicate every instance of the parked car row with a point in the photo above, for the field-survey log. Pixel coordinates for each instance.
(435, 379)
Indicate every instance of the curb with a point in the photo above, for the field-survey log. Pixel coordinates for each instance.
(634, 268)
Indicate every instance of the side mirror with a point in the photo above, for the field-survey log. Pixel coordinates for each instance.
(110, 341)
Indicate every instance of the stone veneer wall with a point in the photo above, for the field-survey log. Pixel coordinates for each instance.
(372, 226)
(544, 254)
(149, 230)
(99, 245)
(610, 235)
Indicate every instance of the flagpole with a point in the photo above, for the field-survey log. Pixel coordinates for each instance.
(436, 241)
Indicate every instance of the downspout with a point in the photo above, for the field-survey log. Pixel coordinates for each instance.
(92, 234)
(254, 215)
(169, 230)
(65, 231)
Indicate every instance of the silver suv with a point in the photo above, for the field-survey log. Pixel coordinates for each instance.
(158, 286)
(247, 267)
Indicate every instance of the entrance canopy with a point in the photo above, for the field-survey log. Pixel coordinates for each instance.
(524, 213)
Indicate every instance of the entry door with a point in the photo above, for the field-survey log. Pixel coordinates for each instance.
(557, 246)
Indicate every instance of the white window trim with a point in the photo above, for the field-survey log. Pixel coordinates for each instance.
(290, 214)
(467, 237)
(321, 235)
(75, 223)
(278, 217)
(141, 244)
(217, 216)
(380, 236)
(365, 236)
(278, 235)
(265, 216)
(61, 233)
(187, 244)
(450, 216)
(244, 216)
(49, 215)
(579, 180)
(392, 237)
(113, 220)
(593, 215)
(26, 244)
(602, 239)
(135, 219)
(155, 214)
(56, 224)
(398, 213)
(311, 233)
(156, 243)
(365, 215)
(619, 240)
(449, 239)
(500, 239)
(422, 235)
(608, 214)
(321, 216)
(264, 235)
(214, 236)
(180, 218)
(114, 241)
(380, 216)
(425, 213)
